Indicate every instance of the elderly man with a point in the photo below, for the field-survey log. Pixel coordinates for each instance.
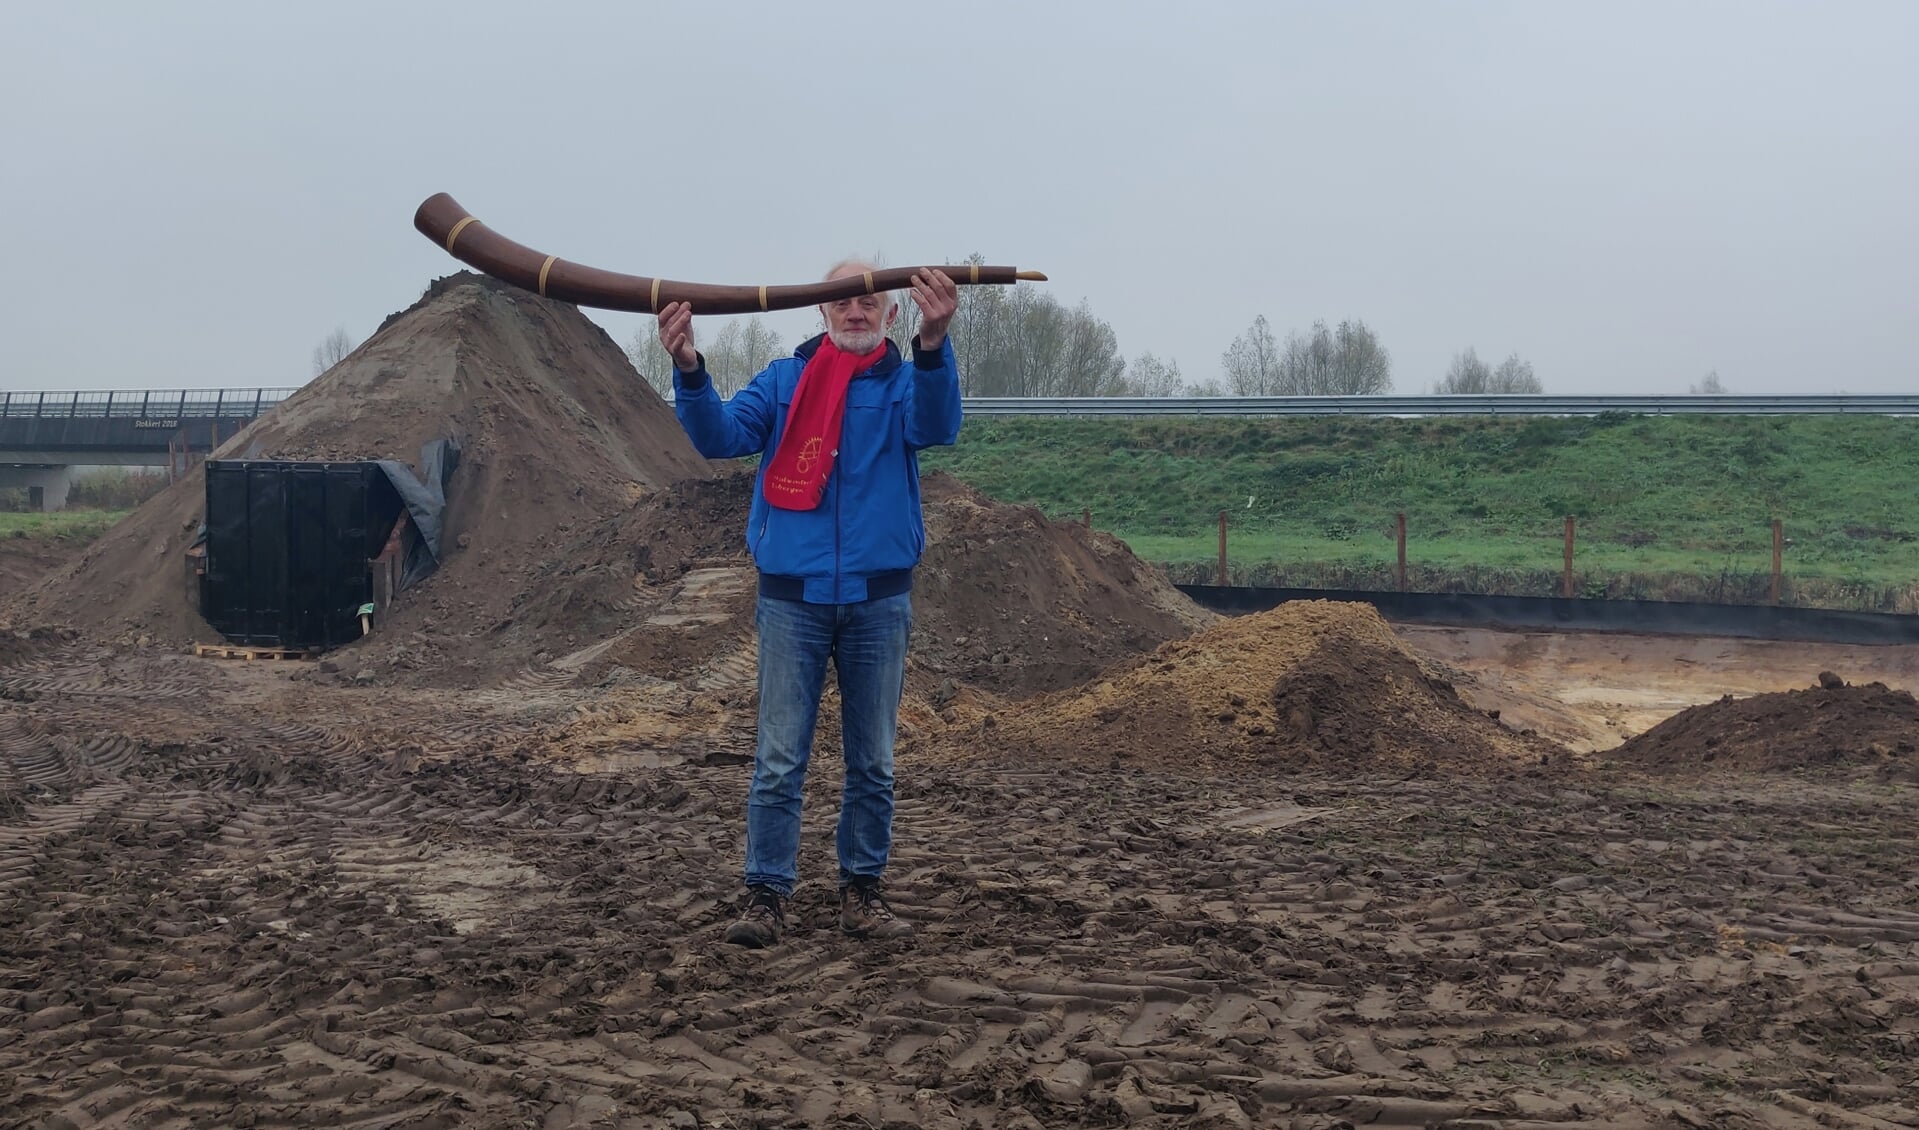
(836, 530)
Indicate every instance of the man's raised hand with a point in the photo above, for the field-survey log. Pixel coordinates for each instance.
(938, 299)
(676, 335)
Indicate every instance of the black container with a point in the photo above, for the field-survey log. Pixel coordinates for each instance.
(288, 546)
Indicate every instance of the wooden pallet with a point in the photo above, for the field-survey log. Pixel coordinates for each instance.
(223, 651)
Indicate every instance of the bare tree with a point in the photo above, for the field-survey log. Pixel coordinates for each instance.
(1147, 375)
(906, 324)
(332, 349)
(1514, 376)
(1252, 361)
(976, 332)
(1709, 385)
(759, 346)
(734, 356)
(1467, 376)
(1091, 364)
(1361, 366)
(738, 352)
(1347, 361)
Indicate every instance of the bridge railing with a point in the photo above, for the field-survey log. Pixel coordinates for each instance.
(144, 404)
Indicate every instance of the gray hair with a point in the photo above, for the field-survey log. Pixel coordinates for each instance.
(862, 264)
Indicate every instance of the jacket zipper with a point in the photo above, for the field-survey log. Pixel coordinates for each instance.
(836, 525)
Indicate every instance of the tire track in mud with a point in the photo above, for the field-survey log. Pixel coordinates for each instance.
(302, 922)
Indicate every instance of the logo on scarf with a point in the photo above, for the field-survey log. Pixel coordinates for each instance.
(809, 455)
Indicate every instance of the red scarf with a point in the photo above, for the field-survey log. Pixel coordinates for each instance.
(796, 475)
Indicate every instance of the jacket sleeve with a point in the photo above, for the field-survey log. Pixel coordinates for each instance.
(933, 397)
(724, 429)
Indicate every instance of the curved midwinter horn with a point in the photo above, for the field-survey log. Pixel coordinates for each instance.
(441, 219)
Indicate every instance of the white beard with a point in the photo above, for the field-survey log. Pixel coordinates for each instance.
(858, 343)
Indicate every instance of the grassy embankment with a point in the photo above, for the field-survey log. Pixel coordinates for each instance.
(1672, 508)
(96, 501)
(77, 525)
(1667, 508)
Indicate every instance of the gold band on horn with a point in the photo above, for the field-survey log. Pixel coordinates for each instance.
(455, 233)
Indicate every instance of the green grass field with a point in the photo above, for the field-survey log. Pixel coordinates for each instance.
(81, 524)
(1666, 507)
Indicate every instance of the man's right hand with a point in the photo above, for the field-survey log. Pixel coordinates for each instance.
(676, 334)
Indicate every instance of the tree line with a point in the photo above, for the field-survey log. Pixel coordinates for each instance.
(1023, 341)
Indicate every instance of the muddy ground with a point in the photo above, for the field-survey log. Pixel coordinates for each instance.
(238, 894)
(24, 560)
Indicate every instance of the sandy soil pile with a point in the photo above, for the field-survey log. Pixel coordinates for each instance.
(1833, 725)
(1307, 683)
(556, 429)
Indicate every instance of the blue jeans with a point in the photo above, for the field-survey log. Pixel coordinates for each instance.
(867, 645)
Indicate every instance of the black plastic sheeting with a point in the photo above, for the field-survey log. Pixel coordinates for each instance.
(1640, 617)
(288, 543)
(425, 500)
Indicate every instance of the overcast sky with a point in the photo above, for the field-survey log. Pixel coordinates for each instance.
(1626, 194)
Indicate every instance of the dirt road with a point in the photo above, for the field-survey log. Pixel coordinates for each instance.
(230, 897)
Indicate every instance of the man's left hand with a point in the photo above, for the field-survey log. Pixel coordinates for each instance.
(938, 299)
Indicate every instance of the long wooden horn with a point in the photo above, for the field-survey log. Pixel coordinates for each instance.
(441, 219)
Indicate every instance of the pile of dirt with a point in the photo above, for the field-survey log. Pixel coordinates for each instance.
(556, 430)
(614, 578)
(1004, 598)
(1830, 726)
(1013, 601)
(1310, 683)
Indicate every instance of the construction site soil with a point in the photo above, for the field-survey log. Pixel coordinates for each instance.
(1829, 726)
(1307, 683)
(24, 560)
(1286, 870)
(234, 896)
(556, 431)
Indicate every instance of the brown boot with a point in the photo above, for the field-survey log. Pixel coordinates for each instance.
(759, 925)
(864, 913)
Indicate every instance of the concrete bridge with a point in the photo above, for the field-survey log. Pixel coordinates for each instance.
(44, 435)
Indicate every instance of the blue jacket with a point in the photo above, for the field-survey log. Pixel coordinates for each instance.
(867, 534)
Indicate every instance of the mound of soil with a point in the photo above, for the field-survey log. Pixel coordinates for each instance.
(1317, 683)
(1013, 601)
(1005, 599)
(1832, 726)
(557, 433)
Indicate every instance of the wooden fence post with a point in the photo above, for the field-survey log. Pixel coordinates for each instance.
(1569, 557)
(1086, 518)
(1401, 525)
(1222, 548)
(1778, 555)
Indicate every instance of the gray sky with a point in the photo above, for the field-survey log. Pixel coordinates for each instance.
(1628, 194)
